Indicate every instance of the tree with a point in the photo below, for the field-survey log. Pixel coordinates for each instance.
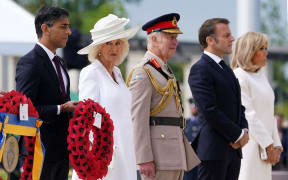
(83, 13)
(271, 22)
(277, 32)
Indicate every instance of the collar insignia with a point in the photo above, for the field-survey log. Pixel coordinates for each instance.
(155, 63)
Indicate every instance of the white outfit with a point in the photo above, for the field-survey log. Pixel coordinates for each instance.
(97, 84)
(258, 98)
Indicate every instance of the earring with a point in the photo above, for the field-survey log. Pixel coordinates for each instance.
(99, 53)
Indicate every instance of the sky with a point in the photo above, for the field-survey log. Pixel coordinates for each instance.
(192, 15)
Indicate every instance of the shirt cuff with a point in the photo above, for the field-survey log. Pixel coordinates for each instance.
(58, 109)
(241, 135)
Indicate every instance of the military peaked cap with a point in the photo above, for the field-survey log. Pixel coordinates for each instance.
(166, 23)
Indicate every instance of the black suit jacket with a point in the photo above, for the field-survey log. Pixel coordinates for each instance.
(37, 79)
(217, 97)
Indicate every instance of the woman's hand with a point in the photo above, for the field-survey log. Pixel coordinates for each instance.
(277, 150)
(273, 154)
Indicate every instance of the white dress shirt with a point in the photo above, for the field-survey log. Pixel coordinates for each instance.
(51, 56)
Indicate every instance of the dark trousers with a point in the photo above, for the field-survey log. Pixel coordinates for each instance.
(220, 170)
(191, 175)
(138, 175)
(55, 170)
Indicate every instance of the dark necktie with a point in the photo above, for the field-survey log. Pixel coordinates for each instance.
(228, 71)
(223, 65)
(60, 77)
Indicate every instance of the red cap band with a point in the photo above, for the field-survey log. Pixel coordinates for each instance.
(162, 25)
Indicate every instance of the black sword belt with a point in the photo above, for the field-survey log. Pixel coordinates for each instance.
(168, 121)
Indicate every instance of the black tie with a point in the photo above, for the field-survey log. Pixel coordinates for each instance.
(60, 77)
(228, 71)
(223, 65)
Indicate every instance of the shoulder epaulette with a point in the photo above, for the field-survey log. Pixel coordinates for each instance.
(153, 62)
(166, 92)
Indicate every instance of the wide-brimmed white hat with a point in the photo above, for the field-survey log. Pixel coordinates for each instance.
(107, 29)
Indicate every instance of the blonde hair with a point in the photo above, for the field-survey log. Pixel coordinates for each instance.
(94, 51)
(245, 48)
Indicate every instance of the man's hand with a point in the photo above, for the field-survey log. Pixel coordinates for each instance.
(2, 93)
(244, 140)
(68, 106)
(235, 145)
(148, 169)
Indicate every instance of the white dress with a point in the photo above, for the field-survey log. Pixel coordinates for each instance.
(258, 98)
(96, 83)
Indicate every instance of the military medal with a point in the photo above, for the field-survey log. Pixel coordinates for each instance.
(10, 154)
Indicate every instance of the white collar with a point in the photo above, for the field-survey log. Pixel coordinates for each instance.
(96, 63)
(48, 52)
(213, 56)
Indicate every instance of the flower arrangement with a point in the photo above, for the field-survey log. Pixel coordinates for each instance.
(90, 160)
(9, 103)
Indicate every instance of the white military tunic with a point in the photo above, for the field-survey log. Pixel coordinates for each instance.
(97, 84)
(258, 98)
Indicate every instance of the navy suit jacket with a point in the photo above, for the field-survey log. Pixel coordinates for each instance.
(38, 80)
(218, 99)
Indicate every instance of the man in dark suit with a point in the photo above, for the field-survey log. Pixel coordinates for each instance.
(217, 96)
(41, 76)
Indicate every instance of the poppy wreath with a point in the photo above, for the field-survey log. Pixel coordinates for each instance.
(9, 103)
(90, 161)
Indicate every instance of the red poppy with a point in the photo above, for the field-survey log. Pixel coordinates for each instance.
(9, 103)
(90, 162)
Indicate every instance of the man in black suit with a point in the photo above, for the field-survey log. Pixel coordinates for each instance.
(217, 96)
(41, 76)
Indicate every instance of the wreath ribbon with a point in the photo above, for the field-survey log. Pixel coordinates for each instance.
(11, 124)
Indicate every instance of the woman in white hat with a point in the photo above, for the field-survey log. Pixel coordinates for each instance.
(102, 82)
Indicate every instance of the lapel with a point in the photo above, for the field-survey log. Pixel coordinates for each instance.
(212, 63)
(229, 77)
(47, 63)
